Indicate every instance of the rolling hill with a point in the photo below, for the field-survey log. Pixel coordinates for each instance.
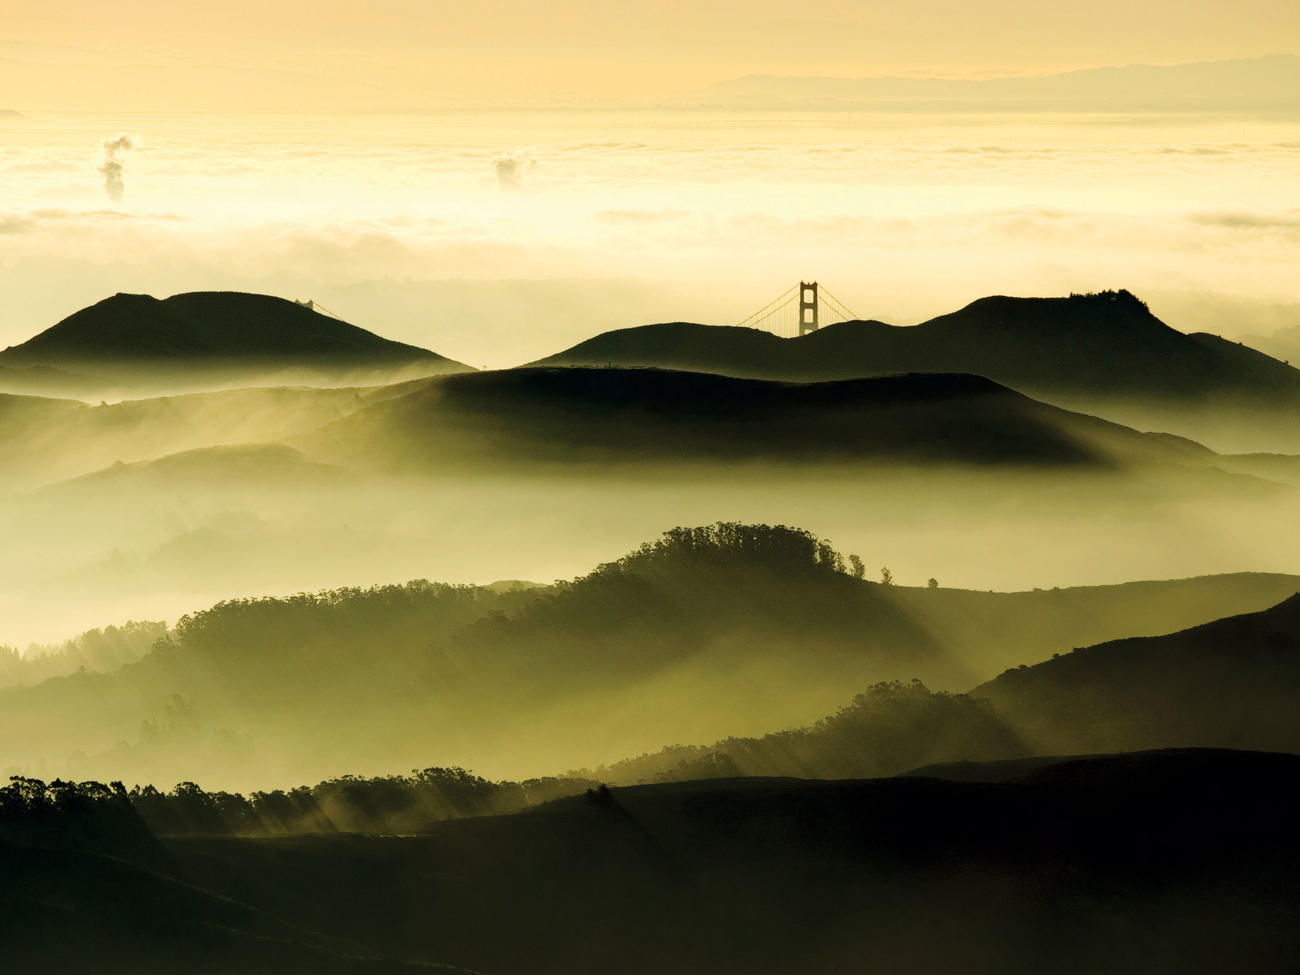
(131, 340)
(1104, 354)
(577, 416)
(1181, 861)
(727, 630)
(1230, 683)
(1127, 864)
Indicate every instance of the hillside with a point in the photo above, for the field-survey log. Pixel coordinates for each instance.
(1103, 353)
(1180, 860)
(577, 416)
(1231, 683)
(702, 877)
(132, 338)
(706, 633)
(47, 440)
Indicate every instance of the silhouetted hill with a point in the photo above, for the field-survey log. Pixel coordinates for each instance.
(1181, 862)
(887, 729)
(1107, 343)
(1103, 353)
(573, 416)
(209, 334)
(1232, 683)
(709, 632)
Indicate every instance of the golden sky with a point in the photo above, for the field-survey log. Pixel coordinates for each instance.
(409, 54)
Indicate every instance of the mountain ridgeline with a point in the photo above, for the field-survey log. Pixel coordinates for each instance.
(202, 337)
(709, 632)
(583, 416)
(1102, 353)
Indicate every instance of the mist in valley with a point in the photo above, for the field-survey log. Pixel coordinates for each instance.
(425, 549)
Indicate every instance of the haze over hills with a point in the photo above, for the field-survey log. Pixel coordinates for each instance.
(1283, 344)
(209, 337)
(1104, 354)
(1159, 861)
(1230, 683)
(1246, 85)
(578, 416)
(709, 632)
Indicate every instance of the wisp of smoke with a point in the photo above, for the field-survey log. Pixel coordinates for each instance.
(512, 166)
(114, 165)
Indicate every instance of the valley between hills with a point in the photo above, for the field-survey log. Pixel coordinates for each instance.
(688, 649)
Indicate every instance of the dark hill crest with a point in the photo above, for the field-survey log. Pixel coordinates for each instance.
(132, 334)
(1104, 353)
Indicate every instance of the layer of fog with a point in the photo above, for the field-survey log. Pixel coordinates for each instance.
(403, 225)
(91, 555)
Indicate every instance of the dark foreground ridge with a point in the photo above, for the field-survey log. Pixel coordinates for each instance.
(1176, 861)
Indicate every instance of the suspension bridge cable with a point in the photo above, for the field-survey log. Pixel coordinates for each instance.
(775, 311)
(760, 313)
(843, 309)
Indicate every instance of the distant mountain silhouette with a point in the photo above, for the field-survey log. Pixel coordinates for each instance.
(1231, 683)
(573, 416)
(1253, 85)
(1108, 343)
(130, 336)
(1104, 353)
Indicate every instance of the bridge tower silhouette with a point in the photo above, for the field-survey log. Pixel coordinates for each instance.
(798, 311)
(807, 307)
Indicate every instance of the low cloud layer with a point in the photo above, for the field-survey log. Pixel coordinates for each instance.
(414, 229)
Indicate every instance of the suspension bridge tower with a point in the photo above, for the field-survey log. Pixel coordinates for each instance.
(797, 311)
(807, 307)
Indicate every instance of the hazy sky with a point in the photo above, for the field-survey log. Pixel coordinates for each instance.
(259, 157)
(402, 54)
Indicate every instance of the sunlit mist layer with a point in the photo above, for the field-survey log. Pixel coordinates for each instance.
(496, 237)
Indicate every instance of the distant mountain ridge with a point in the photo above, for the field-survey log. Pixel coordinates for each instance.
(1099, 353)
(1107, 341)
(128, 335)
(1243, 84)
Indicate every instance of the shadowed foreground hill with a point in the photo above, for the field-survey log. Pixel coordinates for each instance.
(203, 336)
(644, 416)
(1170, 862)
(1230, 683)
(1060, 872)
(1103, 353)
